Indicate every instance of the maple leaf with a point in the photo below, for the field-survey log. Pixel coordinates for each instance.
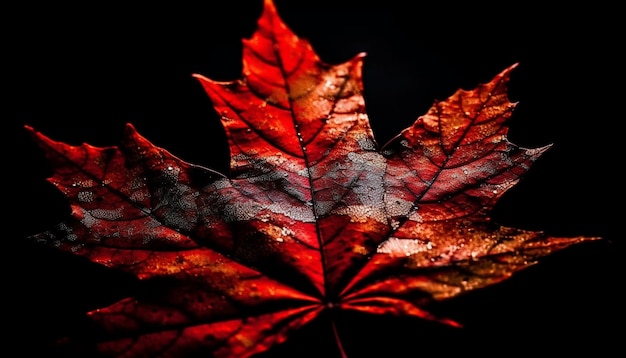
(313, 219)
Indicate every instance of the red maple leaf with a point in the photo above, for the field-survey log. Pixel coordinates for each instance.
(314, 218)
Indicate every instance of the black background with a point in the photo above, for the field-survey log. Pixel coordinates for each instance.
(79, 73)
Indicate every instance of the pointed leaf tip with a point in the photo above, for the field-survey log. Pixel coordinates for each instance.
(31, 130)
(269, 5)
(129, 128)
